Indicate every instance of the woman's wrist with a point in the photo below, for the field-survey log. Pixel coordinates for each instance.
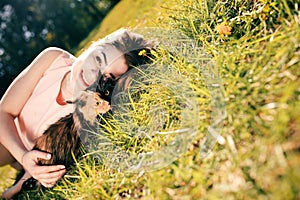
(22, 158)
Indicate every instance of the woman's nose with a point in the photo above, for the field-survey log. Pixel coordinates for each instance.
(106, 77)
(106, 73)
(103, 71)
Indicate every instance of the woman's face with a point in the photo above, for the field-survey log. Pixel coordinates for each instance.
(109, 60)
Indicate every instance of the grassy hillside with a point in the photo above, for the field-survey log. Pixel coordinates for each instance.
(255, 46)
(130, 13)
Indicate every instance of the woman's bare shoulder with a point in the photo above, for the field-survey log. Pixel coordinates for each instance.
(52, 51)
(46, 57)
(24, 84)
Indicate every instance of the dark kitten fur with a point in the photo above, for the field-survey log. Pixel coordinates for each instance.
(62, 141)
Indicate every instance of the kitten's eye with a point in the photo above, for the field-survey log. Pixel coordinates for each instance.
(106, 93)
(98, 103)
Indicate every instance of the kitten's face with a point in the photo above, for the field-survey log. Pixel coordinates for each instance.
(90, 105)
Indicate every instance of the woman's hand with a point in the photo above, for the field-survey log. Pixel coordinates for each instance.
(46, 175)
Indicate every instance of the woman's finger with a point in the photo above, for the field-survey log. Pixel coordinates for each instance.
(48, 169)
(44, 172)
(41, 155)
(50, 179)
(52, 175)
(48, 185)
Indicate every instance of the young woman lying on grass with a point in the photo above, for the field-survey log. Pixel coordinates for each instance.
(38, 98)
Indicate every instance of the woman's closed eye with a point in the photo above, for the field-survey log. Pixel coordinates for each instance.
(98, 60)
(101, 58)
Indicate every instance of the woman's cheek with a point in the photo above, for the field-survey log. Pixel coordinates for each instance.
(76, 68)
(90, 75)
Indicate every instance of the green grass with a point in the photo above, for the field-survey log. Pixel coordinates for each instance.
(258, 59)
(7, 175)
(129, 13)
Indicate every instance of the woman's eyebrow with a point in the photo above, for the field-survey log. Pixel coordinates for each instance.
(104, 56)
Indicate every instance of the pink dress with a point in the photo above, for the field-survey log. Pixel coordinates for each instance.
(42, 108)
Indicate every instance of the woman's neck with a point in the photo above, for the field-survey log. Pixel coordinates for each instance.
(66, 92)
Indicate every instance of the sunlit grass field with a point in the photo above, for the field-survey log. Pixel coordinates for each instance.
(255, 47)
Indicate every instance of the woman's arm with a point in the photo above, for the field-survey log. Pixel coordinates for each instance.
(10, 107)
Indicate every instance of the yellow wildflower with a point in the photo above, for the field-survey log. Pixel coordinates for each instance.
(143, 53)
(154, 53)
(223, 29)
